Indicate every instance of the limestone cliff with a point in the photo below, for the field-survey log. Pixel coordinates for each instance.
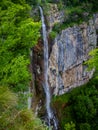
(70, 50)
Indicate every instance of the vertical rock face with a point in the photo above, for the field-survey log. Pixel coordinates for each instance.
(70, 50)
(38, 78)
(96, 25)
(96, 20)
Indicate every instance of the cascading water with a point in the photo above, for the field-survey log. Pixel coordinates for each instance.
(29, 100)
(51, 118)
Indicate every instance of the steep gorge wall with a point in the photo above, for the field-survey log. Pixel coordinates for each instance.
(68, 52)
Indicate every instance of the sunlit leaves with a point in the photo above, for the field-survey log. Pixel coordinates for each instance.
(30, 32)
(18, 33)
(16, 71)
(70, 126)
(93, 61)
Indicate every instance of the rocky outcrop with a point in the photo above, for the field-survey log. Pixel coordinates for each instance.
(54, 16)
(70, 50)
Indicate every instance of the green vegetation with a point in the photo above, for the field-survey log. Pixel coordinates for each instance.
(77, 110)
(79, 106)
(13, 119)
(93, 61)
(34, 2)
(76, 12)
(74, 15)
(18, 34)
(53, 34)
(75, 3)
(70, 126)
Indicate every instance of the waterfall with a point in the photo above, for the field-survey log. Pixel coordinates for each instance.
(29, 99)
(50, 114)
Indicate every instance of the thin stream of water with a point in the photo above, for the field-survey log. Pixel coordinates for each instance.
(50, 114)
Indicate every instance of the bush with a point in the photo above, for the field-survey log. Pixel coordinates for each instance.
(53, 34)
(79, 106)
(70, 126)
(85, 126)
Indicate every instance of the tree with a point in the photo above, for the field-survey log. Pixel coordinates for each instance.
(34, 2)
(70, 126)
(85, 126)
(18, 34)
(84, 107)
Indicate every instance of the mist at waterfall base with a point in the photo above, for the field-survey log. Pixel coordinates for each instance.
(50, 118)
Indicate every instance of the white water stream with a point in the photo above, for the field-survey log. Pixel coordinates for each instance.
(50, 114)
(29, 100)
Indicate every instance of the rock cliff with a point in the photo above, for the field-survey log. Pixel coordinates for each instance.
(70, 50)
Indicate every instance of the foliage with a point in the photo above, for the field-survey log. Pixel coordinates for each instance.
(93, 61)
(74, 3)
(76, 12)
(79, 2)
(7, 99)
(79, 106)
(85, 126)
(73, 16)
(11, 118)
(53, 34)
(34, 2)
(16, 71)
(70, 126)
(18, 34)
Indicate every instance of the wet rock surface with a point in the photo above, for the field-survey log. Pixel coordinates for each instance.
(38, 100)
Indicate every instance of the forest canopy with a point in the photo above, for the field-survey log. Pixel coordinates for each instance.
(18, 33)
